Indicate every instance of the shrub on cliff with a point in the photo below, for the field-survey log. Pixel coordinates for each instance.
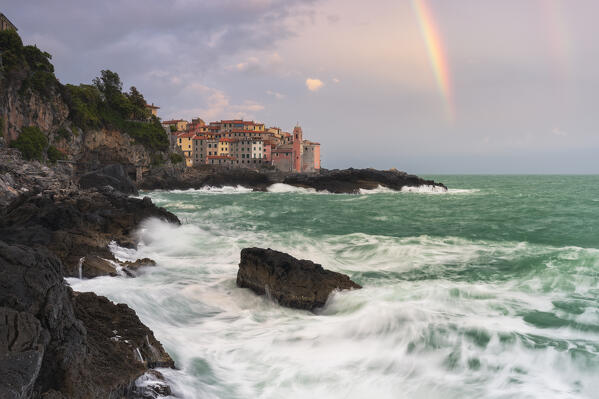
(28, 65)
(104, 105)
(175, 158)
(54, 154)
(31, 142)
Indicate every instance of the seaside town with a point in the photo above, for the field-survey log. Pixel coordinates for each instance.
(241, 144)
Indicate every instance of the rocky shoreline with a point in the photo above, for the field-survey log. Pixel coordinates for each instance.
(54, 342)
(57, 343)
(344, 181)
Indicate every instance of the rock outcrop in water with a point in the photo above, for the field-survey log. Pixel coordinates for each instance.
(76, 224)
(300, 284)
(334, 181)
(55, 343)
(352, 180)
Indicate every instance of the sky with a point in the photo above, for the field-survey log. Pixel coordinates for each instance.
(425, 86)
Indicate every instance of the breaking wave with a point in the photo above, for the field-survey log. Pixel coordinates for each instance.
(441, 315)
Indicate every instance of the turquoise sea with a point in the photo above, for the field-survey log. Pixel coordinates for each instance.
(490, 290)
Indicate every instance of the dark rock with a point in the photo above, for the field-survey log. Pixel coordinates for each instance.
(152, 385)
(75, 224)
(352, 180)
(132, 268)
(334, 181)
(132, 349)
(32, 285)
(56, 344)
(111, 175)
(169, 178)
(294, 283)
(94, 266)
(20, 353)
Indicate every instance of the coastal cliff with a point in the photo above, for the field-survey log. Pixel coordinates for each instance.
(88, 125)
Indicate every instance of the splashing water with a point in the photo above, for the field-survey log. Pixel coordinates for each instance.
(492, 293)
(80, 267)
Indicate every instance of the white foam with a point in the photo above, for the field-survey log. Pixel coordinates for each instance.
(424, 189)
(215, 190)
(287, 188)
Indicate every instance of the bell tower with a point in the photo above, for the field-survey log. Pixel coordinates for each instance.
(298, 148)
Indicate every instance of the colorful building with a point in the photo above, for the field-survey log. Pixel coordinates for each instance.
(153, 109)
(247, 144)
(185, 142)
(179, 124)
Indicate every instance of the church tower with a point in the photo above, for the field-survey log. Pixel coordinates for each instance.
(298, 149)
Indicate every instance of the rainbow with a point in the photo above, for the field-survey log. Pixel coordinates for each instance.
(436, 53)
(558, 35)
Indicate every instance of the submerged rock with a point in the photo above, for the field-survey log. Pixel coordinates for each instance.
(132, 268)
(94, 266)
(300, 284)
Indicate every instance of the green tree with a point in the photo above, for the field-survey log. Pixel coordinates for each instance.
(54, 154)
(31, 142)
(138, 102)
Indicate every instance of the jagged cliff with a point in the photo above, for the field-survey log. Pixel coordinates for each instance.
(91, 125)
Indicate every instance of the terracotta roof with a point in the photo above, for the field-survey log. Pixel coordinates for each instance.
(186, 135)
(227, 140)
(201, 138)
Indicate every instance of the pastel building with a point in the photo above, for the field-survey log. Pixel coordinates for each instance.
(247, 144)
(179, 124)
(153, 109)
(185, 142)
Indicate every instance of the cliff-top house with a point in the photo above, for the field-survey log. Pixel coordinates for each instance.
(153, 109)
(5, 23)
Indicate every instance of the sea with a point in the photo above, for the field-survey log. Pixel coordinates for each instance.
(488, 290)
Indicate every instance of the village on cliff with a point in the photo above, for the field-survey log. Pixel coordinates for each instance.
(241, 144)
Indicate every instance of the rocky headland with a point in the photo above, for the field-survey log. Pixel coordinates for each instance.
(338, 181)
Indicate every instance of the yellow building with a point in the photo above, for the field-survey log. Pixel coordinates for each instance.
(153, 109)
(5, 23)
(185, 142)
(224, 146)
(180, 124)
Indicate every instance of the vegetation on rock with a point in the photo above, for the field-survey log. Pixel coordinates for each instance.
(175, 158)
(30, 62)
(31, 142)
(54, 154)
(104, 105)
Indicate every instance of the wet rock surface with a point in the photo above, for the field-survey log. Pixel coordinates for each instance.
(352, 180)
(300, 284)
(111, 175)
(171, 178)
(55, 343)
(334, 181)
(74, 224)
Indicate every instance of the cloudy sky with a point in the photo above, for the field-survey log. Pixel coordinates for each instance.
(427, 86)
